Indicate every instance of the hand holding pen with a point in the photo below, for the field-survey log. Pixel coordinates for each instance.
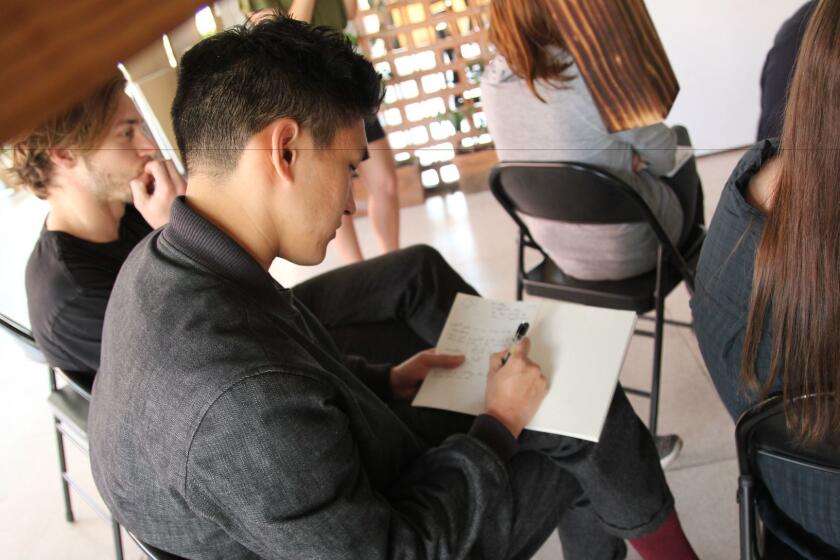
(521, 331)
(514, 391)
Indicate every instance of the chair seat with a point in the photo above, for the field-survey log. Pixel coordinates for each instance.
(784, 537)
(71, 408)
(769, 456)
(157, 554)
(79, 381)
(152, 552)
(776, 442)
(635, 294)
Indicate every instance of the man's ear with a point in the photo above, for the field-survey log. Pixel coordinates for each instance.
(285, 136)
(63, 157)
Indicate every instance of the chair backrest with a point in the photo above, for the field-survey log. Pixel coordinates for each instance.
(16, 329)
(570, 192)
(566, 191)
(23, 337)
(81, 382)
(762, 432)
(152, 552)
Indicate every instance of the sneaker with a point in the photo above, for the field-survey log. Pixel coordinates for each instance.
(669, 448)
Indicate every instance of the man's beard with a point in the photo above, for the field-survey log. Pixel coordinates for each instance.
(111, 187)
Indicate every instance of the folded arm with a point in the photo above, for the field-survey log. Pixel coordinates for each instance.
(655, 145)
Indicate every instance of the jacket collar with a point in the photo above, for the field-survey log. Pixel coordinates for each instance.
(206, 244)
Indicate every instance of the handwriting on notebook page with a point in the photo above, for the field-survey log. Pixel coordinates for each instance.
(580, 349)
(477, 330)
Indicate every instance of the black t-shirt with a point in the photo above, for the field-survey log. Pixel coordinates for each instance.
(68, 283)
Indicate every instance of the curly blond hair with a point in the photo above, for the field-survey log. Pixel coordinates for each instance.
(81, 128)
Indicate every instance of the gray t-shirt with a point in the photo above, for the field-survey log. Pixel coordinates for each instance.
(568, 127)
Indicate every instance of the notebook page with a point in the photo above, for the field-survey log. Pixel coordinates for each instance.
(581, 350)
(476, 327)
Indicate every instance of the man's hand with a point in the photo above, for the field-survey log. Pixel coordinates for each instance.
(155, 189)
(514, 390)
(407, 377)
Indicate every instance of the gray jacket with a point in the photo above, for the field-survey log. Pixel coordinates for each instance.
(225, 424)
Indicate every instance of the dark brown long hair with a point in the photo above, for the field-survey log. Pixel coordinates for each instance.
(521, 32)
(796, 283)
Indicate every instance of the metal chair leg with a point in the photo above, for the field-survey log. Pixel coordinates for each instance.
(746, 515)
(62, 463)
(118, 548)
(657, 345)
(520, 267)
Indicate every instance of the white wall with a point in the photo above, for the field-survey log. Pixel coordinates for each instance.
(21, 218)
(717, 49)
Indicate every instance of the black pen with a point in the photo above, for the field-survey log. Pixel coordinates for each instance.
(521, 331)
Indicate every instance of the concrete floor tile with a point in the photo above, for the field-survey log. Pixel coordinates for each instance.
(688, 404)
(705, 501)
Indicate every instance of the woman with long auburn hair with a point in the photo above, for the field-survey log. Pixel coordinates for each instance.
(538, 108)
(767, 302)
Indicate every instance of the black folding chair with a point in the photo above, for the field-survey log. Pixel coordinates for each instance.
(151, 552)
(69, 405)
(578, 193)
(766, 531)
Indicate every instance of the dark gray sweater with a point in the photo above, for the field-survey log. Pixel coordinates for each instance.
(225, 424)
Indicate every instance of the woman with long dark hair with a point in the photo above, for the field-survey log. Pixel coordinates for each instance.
(538, 108)
(767, 302)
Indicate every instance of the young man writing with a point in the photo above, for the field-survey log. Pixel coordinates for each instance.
(226, 424)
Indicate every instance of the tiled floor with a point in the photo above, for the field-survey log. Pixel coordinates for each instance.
(478, 239)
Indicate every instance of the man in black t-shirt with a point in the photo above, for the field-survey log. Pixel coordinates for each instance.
(94, 165)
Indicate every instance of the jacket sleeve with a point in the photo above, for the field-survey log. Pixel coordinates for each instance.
(656, 145)
(274, 464)
(377, 377)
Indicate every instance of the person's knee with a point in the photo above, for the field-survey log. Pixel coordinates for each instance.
(390, 185)
(424, 266)
(425, 261)
(556, 447)
(385, 187)
(380, 178)
(426, 255)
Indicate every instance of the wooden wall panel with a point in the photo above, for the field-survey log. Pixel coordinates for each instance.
(621, 58)
(55, 53)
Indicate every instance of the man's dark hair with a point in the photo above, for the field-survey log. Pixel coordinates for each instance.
(234, 84)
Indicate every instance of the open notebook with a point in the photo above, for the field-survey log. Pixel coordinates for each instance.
(580, 350)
